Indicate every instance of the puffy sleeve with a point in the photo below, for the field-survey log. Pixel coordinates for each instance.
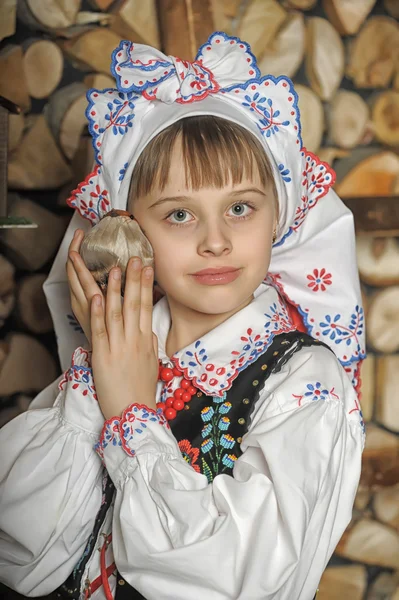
(50, 484)
(268, 531)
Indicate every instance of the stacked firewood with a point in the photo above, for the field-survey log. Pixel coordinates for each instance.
(343, 56)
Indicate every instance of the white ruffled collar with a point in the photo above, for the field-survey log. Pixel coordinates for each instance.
(214, 361)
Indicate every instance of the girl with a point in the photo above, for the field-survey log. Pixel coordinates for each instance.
(218, 454)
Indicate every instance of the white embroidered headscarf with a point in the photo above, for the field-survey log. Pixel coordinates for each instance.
(313, 263)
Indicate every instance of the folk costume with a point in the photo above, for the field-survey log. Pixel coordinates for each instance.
(247, 491)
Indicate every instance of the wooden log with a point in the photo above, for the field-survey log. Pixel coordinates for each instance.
(48, 15)
(260, 23)
(31, 249)
(347, 17)
(330, 154)
(387, 404)
(383, 320)
(99, 81)
(348, 118)
(367, 172)
(136, 20)
(92, 50)
(231, 8)
(86, 17)
(43, 66)
(83, 160)
(312, 117)
(378, 260)
(380, 460)
(372, 56)
(16, 124)
(343, 582)
(367, 374)
(362, 499)
(8, 16)
(385, 117)
(386, 506)
(195, 18)
(38, 163)
(324, 61)
(371, 543)
(285, 53)
(7, 289)
(299, 4)
(39, 366)
(392, 7)
(65, 114)
(101, 4)
(32, 311)
(12, 77)
(382, 586)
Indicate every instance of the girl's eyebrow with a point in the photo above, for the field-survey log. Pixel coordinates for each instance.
(190, 199)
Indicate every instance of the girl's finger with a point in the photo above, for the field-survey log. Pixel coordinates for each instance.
(75, 286)
(76, 241)
(147, 280)
(113, 309)
(132, 297)
(99, 335)
(85, 278)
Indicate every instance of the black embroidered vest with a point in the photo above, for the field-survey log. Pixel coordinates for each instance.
(209, 432)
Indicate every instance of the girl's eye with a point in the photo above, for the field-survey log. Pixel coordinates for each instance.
(180, 213)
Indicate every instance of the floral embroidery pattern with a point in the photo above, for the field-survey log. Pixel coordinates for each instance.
(269, 123)
(284, 173)
(73, 322)
(91, 199)
(124, 430)
(339, 333)
(215, 380)
(79, 375)
(316, 392)
(216, 440)
(190, 454)
(122, 171)
(319, 280)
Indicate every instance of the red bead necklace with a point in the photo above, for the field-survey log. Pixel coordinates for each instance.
(180, 397)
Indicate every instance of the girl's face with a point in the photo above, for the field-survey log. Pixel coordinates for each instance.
(209, 228)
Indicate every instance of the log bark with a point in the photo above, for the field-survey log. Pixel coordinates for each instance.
(31, 249)
(260, 23)
(392, 7)
(37, 163)
(383, 320)
(312, 117)
(16, 124)
(7, 289)
(195, 18)
(285, 53)
(348, 118)
(43, 66)
(373, 53)
(330, 154)
(386, 506)
(300, 4)
(28, 367)
(324, 62)
(347, 17)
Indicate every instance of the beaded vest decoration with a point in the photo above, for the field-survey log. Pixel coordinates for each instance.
(209, 431)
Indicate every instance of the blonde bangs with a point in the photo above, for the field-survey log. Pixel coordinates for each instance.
(215, 152)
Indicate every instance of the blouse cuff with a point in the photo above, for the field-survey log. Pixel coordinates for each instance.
(140, 429)
(78, 403)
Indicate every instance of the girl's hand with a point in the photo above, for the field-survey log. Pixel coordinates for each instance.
(82, 285)
(125, 350)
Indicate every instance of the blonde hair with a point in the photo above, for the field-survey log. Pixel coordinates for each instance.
(214, 151)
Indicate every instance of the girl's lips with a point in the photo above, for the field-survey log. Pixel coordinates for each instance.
(217, 278)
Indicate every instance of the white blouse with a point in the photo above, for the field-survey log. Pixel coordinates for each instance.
(265, 533)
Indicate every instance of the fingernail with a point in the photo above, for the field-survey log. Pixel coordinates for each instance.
(136, 263)
(116, 274)
(148, 272)
(98, 300)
